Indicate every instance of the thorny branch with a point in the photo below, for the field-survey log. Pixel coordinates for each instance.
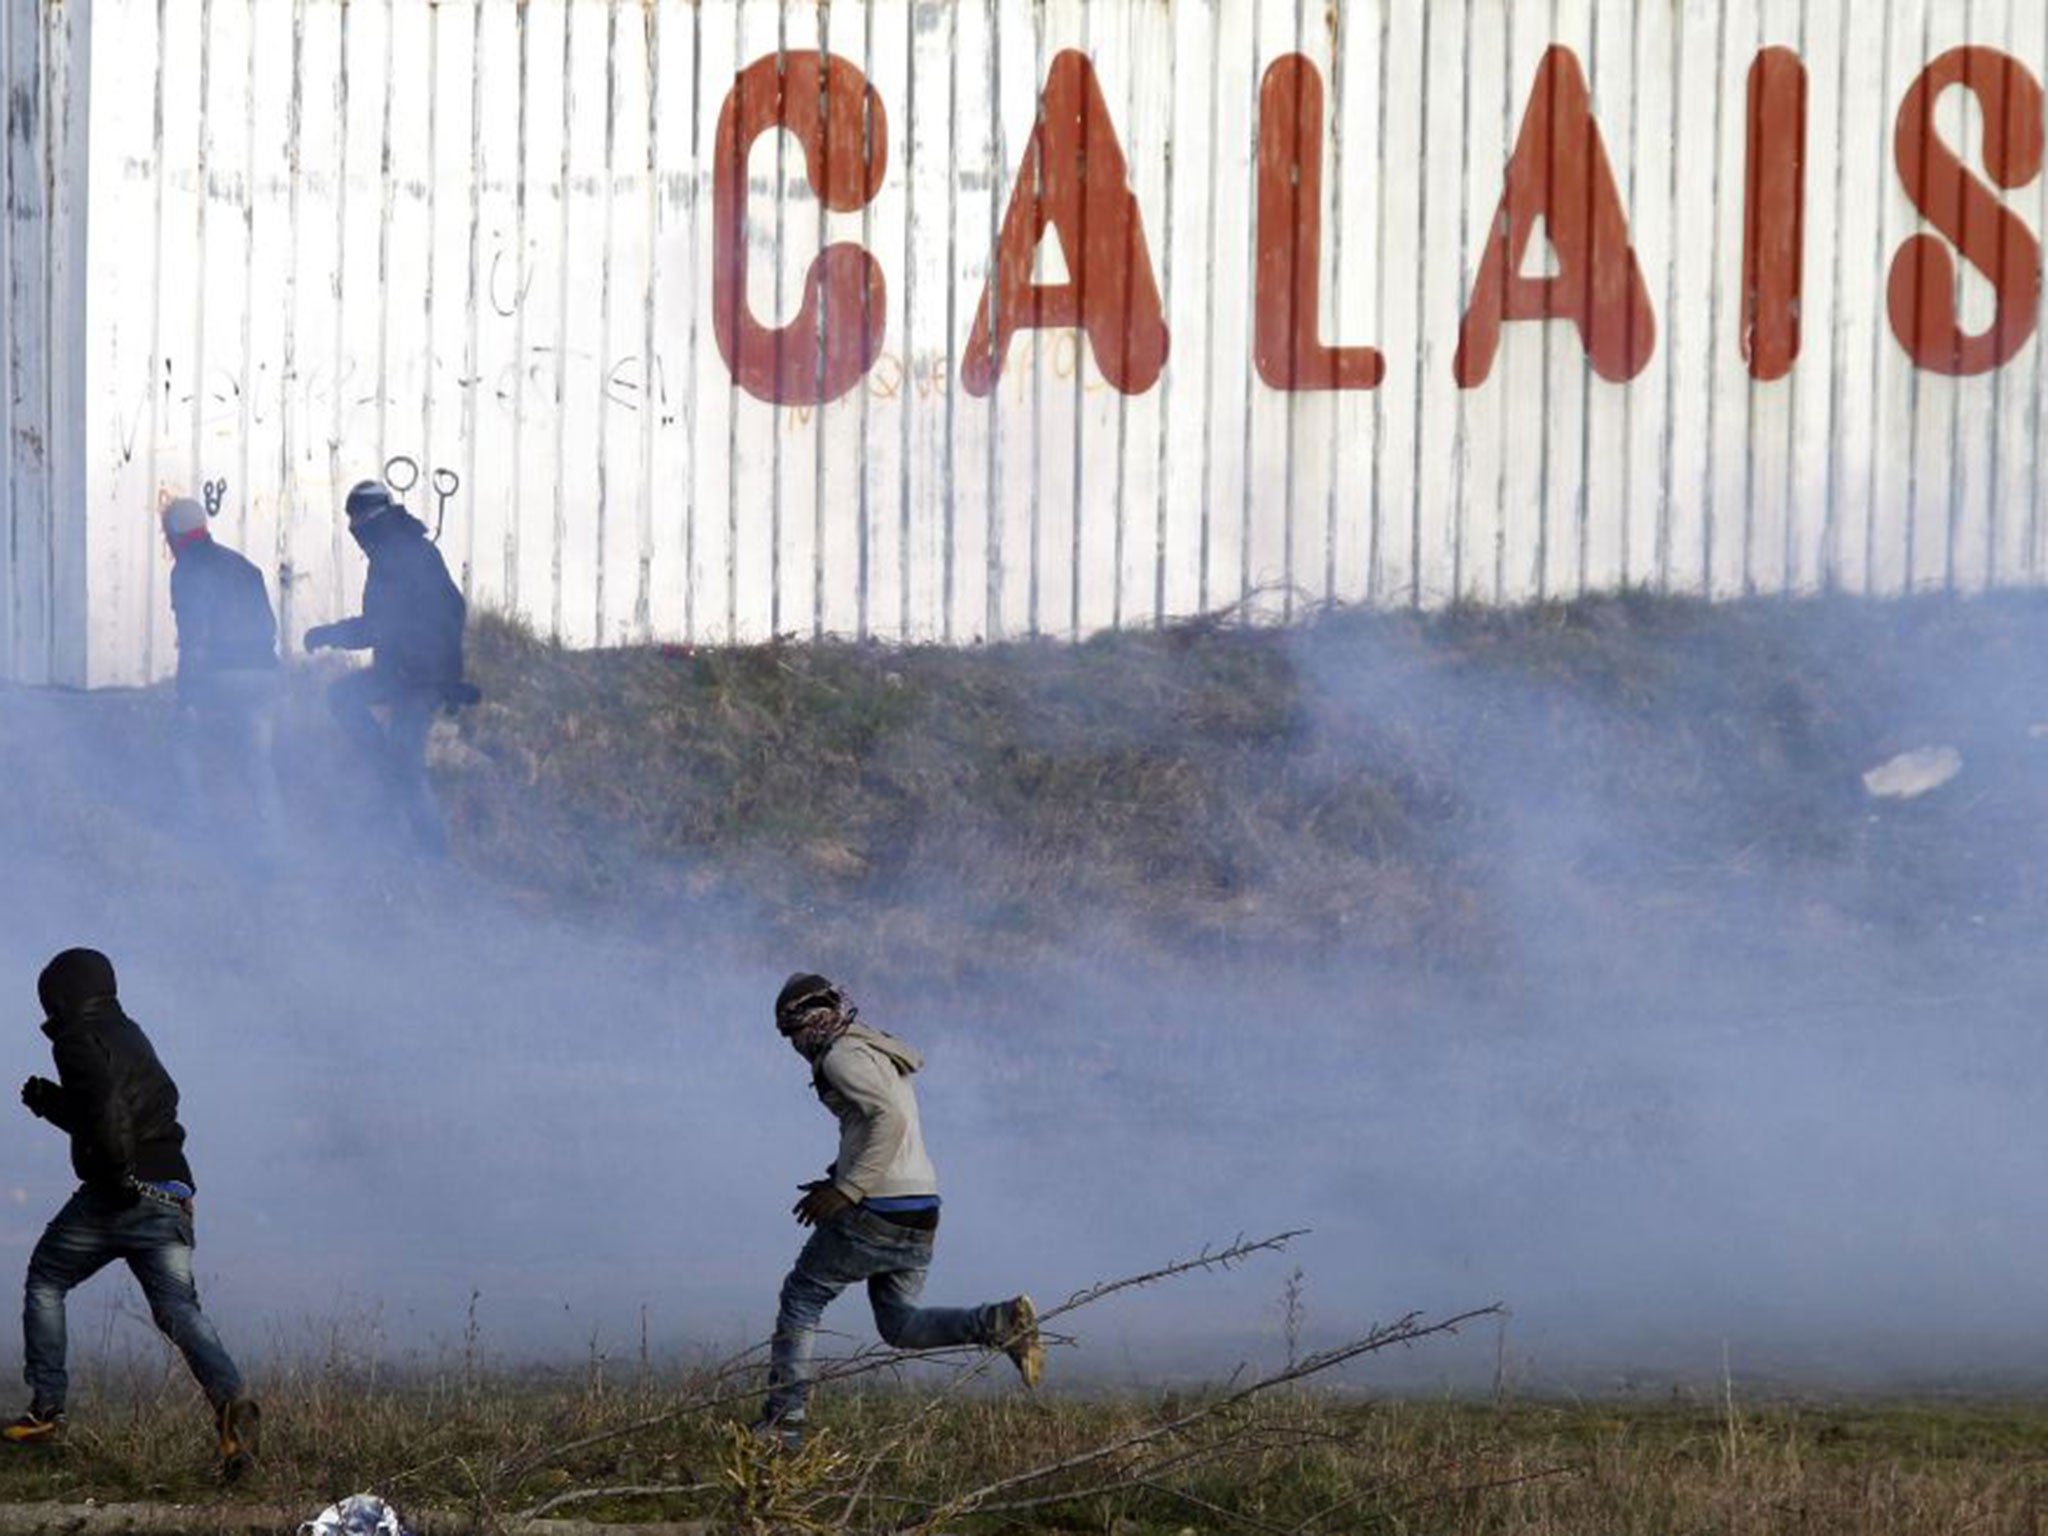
(1406, 1330)
(1234, 1516)
(585, 1495)
(1143, 1476)
(1236, 1253)
(516, 1468)
(1143, 1459)
(721, 1396)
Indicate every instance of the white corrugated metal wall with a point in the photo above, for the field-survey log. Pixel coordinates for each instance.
(43, 609)
(485, 235)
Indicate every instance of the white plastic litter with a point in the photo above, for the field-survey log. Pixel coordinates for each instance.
(1912, 774)
(360, 1514)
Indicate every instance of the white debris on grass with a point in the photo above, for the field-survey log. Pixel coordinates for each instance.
(360, 1514)
(1912, 774)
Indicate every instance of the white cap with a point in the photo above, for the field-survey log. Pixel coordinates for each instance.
(183, 516)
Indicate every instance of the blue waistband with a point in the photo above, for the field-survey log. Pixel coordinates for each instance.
(902, 1203)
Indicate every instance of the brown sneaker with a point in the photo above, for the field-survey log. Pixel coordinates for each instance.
(1017, 1337)
(241, 1433)
(34, 1428)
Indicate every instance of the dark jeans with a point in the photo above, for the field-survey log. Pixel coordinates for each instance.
(397, 746)
(81, 1240)
(226, 725)
(859, 1245)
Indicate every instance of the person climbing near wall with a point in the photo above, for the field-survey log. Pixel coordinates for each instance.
(875, 1214)
(227, 667)
(119, 1106)
(411, 623)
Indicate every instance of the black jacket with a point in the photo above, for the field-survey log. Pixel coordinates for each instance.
(120, 1106)
(223, 610)
(413, 613)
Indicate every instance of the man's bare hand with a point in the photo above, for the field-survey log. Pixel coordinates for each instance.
(821, 1202)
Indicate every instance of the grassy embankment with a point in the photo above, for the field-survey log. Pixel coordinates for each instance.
(1354, 786)
(1375, 787)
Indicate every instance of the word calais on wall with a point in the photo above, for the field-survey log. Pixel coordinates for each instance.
(1072, 184)
(954, 320)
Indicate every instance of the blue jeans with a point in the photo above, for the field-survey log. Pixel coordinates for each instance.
(81, 1240)
(858, 1245)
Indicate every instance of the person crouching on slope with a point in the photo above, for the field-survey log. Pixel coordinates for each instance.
(874, 1215)
(134, 1202)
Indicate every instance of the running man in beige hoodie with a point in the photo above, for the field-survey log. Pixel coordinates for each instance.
(875, 1213)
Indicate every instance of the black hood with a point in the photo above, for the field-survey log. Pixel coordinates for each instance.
(387, 528)
(800, 987)
(73, 981)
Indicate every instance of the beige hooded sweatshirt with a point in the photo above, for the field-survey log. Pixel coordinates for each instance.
(864, 1079)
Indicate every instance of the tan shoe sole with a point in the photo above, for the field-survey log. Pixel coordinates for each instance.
(1023, 1347)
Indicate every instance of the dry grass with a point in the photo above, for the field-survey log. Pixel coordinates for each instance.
(1312, 1462)
(1285, 1453)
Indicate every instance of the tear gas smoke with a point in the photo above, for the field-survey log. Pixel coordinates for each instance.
(1754, 1121)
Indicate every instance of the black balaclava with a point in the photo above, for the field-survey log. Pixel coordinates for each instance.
(73, 981)
(811, 1013)
(369, 506)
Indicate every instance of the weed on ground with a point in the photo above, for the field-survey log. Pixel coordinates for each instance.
(889, 1458)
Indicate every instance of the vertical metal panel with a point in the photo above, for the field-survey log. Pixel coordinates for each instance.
(479, 233)
(67, 82)
(25, 570)
(43, 633)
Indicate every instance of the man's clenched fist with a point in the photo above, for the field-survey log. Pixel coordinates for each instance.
(41, 1096)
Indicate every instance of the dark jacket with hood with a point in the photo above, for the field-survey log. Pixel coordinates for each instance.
(118, 1105)
(413, 612)
(224, 617)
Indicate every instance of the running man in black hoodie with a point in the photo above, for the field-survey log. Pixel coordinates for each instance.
(134, 1202)
(411, 622)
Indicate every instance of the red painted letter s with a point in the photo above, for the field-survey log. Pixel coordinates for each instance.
(1989, 235)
